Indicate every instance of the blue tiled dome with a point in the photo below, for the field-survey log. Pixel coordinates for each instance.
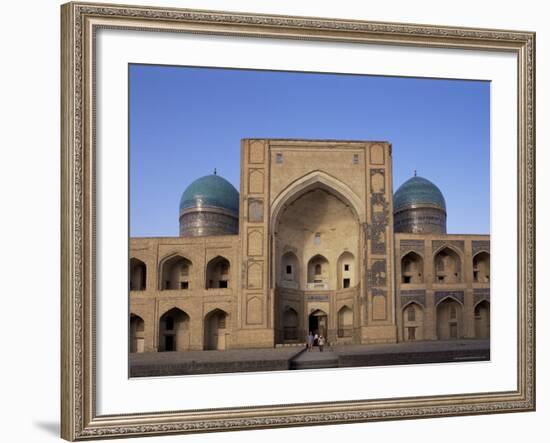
(210, 191)
(418, 192)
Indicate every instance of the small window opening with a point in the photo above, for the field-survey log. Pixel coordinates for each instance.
(223, 284)
(346, 267)
(347, 282)
(289, 269)
(317, 239)
(184, 285)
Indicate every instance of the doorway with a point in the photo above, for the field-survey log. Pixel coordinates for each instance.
(318, 322)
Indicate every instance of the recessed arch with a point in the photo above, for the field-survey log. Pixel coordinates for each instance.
(481, 265)
(318, 322)
(174, 330)
(316, 179)
(291, 324)
(138, 275)
(449, 319)
(346, 271)
(412, 268)
(482, 319)
(175, 272)
(137, 333)
(318, 272)
(216, 330)
(289, 270)
(412, 320)
(218, 273)
(447, 265)
(345, 322)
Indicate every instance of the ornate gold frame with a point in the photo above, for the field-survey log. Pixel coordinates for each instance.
(79, 420)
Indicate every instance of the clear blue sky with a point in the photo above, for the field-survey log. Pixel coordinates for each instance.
(184, 122)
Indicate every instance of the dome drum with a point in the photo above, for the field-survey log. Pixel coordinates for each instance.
(419, 208)
(420, 221)
(209, 206)
(209, 222)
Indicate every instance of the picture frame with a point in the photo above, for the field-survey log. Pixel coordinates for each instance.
(80, 24)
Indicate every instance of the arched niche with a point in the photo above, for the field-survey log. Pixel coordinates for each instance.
(318, 272)
(345, 322)
(482, 267)
(218, 273)
(482, 319)
(291, 324)
(449, 319)
(176, 273)
(413, 322)
(137, 333)
(216, 330)
(346, 271)
(447, 266)
(138, 275)
(290, 271)
(174, 331)
(412, 268)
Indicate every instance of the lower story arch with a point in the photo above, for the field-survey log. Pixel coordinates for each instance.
(318, 322)
(413, 322)
(137, 333)
(449, 320)
(291, 325)
(216, 330)
(482, 319)
(174, 331)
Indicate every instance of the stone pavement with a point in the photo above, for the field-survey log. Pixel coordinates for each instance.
(297, 357)
(150, 364)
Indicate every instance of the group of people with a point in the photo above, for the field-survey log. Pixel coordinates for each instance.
(315, 340)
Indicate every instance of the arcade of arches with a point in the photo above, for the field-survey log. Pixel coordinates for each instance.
(317, 249)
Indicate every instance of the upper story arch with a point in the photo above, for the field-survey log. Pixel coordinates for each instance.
(218, 273)
(316, 180)
(175, 272)
(448, 265)
(138, 275)
(481, 266)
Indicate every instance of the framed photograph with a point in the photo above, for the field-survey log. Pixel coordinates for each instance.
(283, 221)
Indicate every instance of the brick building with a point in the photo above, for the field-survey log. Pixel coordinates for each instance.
(315, 241)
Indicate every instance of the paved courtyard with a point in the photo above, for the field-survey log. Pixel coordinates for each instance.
(297, 357)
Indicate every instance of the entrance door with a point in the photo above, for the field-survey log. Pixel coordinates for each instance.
(318, 323)
(169, 344)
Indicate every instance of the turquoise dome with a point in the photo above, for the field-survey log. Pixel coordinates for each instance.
(418, 192)
(210, 191)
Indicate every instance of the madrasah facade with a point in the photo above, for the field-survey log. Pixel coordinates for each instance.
(316, 240)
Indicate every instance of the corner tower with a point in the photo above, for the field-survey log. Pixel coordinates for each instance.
(419, 208)
(209, 206)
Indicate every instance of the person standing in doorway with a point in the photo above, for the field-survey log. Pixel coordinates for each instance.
(316, 339)
(309, 341)
(321, 343)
